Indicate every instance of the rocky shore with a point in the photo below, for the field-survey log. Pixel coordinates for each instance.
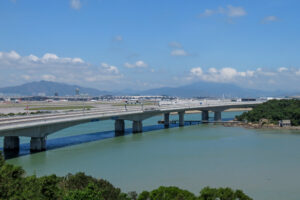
(258, 126)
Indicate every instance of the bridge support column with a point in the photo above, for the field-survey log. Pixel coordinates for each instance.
(205, 115)
(181, 118)
(167, 120)
(11, 143)
(218, 116)
(137, 127)
(119, 127)
(37, 144)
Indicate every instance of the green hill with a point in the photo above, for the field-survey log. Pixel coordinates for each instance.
(274, 110)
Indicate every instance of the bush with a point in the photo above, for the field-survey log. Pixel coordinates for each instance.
(15, 186)
(274, 110)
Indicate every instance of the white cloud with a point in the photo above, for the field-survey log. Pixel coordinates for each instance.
(197, 71)
(33, 58)
(137, 64)
(51, 67)
(229, 11)
(9, 55)
(281, 69)
(235, 11)
(141, 63)
(178, 52)
(49, 56)
(261, 78)
(77, 60)
(226, 74)
(110, 68)
(75, 4)
(269, 19)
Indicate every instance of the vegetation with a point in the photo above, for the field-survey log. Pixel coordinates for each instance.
(62, 107)
(274, 110)
(22, 113)
(15, 185)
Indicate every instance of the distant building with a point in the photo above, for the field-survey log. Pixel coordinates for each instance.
(284, 123)
(77, 91)
(248, 99)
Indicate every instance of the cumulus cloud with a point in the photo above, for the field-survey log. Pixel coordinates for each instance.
(229, 11)
(269, 19)
(259, 78)
(75, 4)
(226, 74)
(197, 71)
(52, 67)
(282, 69)
(137, 64)
(9, 55)
(110, 68)
(178, 52)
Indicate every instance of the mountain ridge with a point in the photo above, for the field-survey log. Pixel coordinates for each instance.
(49, 88)
(197, 89)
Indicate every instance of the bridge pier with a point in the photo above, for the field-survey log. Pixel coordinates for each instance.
(137, 127)
(166, 120)
(119, 127)
(11, 143)
(37, 144)
(218, 115)
(205, 115)
(181, 118)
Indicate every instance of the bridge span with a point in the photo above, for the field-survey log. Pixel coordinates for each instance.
(38, 127)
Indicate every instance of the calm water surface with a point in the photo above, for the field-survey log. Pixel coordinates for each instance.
(263, 163)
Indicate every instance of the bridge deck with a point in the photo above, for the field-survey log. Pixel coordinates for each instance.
(14, 123)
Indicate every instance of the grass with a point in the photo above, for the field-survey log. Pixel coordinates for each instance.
(62, 108)
(138, 104)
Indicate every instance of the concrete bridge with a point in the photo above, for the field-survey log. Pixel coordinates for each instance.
(38, 127)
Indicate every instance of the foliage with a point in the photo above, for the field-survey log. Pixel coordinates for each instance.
(14, 185)
(208, 193)
(167, 193)
(274, 110)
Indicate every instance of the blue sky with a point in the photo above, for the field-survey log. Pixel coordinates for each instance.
(141, 44)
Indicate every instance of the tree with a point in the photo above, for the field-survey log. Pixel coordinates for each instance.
(208, 193)
(167, 193)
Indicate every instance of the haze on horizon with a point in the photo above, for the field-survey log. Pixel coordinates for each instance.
(139, 44)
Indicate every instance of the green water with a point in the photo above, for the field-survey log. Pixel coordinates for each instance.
(263, 163)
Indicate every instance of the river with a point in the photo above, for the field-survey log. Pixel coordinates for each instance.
(263, 163)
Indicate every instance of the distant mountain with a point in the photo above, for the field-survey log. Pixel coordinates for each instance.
(49, 89)
(198, 89)
(208, 89)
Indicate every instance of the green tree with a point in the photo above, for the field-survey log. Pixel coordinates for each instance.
(167, 193)
(88, 193)
(208, 193)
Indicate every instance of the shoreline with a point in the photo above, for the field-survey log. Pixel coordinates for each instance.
(258, 126)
